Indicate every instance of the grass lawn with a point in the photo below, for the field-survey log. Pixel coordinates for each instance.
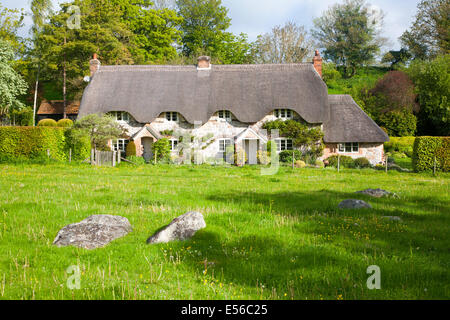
(267, 237)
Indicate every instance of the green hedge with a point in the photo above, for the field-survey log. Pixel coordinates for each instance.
(32, 143)
(426, 149)
(400, 144)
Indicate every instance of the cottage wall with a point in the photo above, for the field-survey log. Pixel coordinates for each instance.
(374, 152)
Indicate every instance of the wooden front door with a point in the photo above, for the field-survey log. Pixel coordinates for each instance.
(147, 143)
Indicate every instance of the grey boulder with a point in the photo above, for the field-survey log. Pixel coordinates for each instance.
(182, 228)
(378, 193)
(392, 218)
(94, 232)
(354, 204)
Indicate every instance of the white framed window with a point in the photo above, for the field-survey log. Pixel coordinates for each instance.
(284, 144)
(120, 145)
(283, 114)
(224, 144)
(173, 144)
(120, 116)
(225, 115)
(172, 116)
(349, 147)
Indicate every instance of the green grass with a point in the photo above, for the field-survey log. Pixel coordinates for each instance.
(364, 78)
(267, 237)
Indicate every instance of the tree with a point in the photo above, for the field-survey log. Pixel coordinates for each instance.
(284, 44)
(429, 33)
(100, 128)
(204, 23)
(399, 123)
(161, 149)
(12, 85)
(350, 34)
(395, 58)
(11, 20)
(432, 82)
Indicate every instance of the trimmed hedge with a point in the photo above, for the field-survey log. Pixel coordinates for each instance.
(32, 143)
(47, 123)
(426, 149)
(344, 162)
(65, 123)
(131, 150)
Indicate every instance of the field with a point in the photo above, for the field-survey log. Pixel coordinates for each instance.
(267, 237)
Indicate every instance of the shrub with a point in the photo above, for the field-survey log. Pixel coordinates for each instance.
(32, 143)
(65, 123)
(402, 144)
(131, 149)
(344, 162)
(427, 149)
(263, 157)
(399, 123)
(47, 123)
(162, 149)
(136, 160)
(319, 164)
(240, 157)
(80, 144)
(300, 164)
(286, 156)
(362, 163)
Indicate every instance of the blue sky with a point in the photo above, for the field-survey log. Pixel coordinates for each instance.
(255, 17)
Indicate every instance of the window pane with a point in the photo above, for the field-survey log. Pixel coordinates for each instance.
(289, 144)
(348, 147)
(341, 147)
(355, 147)
(288, 114)
(278, 142)
(168, 116)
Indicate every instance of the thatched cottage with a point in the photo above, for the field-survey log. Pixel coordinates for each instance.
(226, 105)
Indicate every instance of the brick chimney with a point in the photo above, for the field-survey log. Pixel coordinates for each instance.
(317, 61)
(94, 64)
(204, 62)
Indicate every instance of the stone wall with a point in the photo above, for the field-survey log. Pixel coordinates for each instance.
(374, 152)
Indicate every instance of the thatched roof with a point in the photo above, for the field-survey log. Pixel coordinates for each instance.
(349, 123)
(250, 92)
(57, 107)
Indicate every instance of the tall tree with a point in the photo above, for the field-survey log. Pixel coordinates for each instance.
(12, 85)
(350, 34)
(11, 20)
(429, 34)
(41, 10)
(284, 44)
(204, 25)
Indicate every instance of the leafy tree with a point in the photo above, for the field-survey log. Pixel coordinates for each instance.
(11, 20)
(100, 128)
(395, 58)
(12, 85)
(204, 33)
(432, 82)
(284, 44)
(350, 34)
(303, 137)
(399, 123)
(330, 74)
(429, 33)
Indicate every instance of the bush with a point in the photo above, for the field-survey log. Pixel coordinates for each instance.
(345, 161)
(362, 163)
(136, 160)
(263, 157)
(319, 164)
(65, 123)
(131, 149)
(399, 123)
(240, 157)
(32, 143)
(22, 117)
(47, 123)
(80, 145)
(300, 164)
(286, 156)
(402, 144)
(162, 149)
(426, 149)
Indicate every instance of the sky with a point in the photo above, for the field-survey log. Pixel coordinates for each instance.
(255, 17)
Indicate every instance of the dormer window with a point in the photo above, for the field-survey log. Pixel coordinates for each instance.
(283, 114)
(225, 115)
(120, 116)
(172, 116)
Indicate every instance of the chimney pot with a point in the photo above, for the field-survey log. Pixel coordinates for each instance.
(94, 64)
(204, 62)
(317, 62)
